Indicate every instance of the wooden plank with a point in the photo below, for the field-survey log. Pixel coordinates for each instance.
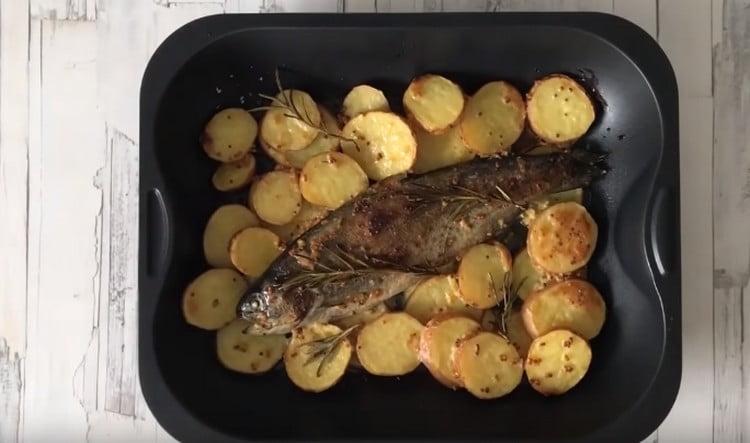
(359, 5)
(63, 9)
(64, 209)
(640, 12)
(550, 5)
(684, 31)
(731, 208)
(690, 418)
(11, 393)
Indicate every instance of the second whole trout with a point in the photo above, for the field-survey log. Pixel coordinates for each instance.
(385, 240)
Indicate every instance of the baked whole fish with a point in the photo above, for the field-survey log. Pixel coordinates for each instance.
(387, 239)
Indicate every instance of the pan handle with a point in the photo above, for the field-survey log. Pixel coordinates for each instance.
(661, 226)
(157, 232)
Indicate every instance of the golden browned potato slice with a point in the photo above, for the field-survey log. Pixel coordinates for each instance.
(437, 342)
(526, 277)
(515, 330)
(437, 295)
(332, 179)
(574, 305)
(309, 215)
(253, 250)
(388, 345)
(324, 142)
(250, 354)
(209, 302)
(381, 142)
(276, 197)
(562, 238)
(223, 224)
(234, 175)
(481, 275)
(434, 102)
(435, 151)
(557, 361)
(311, 373)
(229, 135)
(493, 119)
(559, 109)
(292, 123)
(362, 318)
(488, 365)
(362, 99)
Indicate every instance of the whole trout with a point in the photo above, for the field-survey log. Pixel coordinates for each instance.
(401, 229)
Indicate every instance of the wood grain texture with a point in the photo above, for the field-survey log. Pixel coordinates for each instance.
(62, 9)
(641, 12)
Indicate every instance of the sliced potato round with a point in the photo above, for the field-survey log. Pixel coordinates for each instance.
(209, 302)
(234, 175)
(383, 144)
(515, 330)
(250, 354)
(562, 238)
(316, 374)
(574, 305)
(363, 317)
(275, 155)
(285, 129)
(253, 250)
(388, 345)
(437, 295)
(482, 274)
(434, 102)
(362, 99)
(223, 224)
(437, 342)
(559, 109)
(309, 215)
(435, 151)
(276, 197)
(332, 179)
(493, 119)
(526, 277)
(229, 135)
(557, 361)
(323, 143)
(488, 365)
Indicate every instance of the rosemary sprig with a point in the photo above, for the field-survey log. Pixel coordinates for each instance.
(421, 193)
(325, 348)
(286, 101)
(509, 298)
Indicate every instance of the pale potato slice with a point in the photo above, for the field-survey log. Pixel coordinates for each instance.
(332, 179)
(229, 135)
(557, 361)
(435, 151)
(481, 275)
(559, 109)
(223, 224)
(285, 129)
(488, 365)
(250, 354)
(572, 195)
(253, 250)
(316, 374)
(562, 238)
(388, 345)
(526, 278)
(381, 142)
(574, 305)
(434, 102)
(234, 175)
(515, 330)
(324, 142)
(309, 215)
(362, 99)
(275, 155)
(437, 342)
(363, 317)
(493, 119)
(437, 295)
(209, 302)
(276, 197)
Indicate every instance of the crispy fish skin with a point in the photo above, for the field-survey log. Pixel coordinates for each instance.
(388, 238)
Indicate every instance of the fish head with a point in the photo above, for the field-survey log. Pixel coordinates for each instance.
(267, 313)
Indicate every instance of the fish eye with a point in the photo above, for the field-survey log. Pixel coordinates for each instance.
(252, 304)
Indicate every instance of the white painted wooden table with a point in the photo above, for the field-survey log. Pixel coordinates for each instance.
(70, 72)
